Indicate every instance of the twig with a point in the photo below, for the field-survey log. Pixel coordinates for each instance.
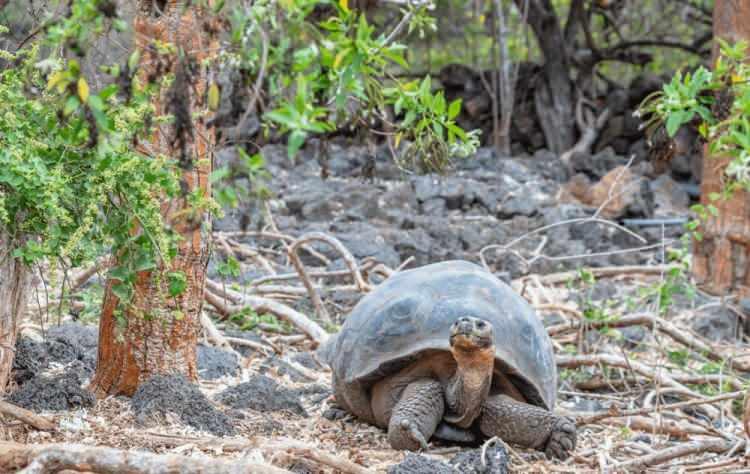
(681, 450)
(351, 263)
(26, 416)
(662, 325)
(614, 412)
(237, 341)
(257, 303)
(277, 236)
(565, 277)
(573, 361)
(44, 458)
(317, 455)
(217, 337)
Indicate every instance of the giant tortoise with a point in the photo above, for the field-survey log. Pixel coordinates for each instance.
(449, 350)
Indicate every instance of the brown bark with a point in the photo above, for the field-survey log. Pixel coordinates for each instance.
(160, 332)
(15, 283)
(721, 257)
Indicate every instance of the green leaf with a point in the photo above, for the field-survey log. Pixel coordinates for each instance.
(120, 273)
(134, 59)
(296, 140)
(177, 283)
(454, 109)
(213, 96)
(674, 122)
(123, 291)
(83, 89)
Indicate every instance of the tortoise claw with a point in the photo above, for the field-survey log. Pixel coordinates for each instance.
(412, 432)
(562, 439)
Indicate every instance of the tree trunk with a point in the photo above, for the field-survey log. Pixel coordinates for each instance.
(15, 283)
(155, 333)
(721, 258)
(553, 98)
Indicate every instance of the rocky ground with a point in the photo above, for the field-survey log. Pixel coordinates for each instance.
(486, 200)
(259, 401)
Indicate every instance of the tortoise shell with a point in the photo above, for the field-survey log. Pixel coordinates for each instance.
(410, 314)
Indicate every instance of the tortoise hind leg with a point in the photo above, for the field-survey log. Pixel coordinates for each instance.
(528, 426)
(416, 415)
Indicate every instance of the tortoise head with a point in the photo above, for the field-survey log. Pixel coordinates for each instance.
(469, 333)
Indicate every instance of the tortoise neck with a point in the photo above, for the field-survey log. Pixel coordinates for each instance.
(470, 385)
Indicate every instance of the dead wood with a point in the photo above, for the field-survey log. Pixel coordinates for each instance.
(564, 277)
(315, 454)
(348, 258)
(614, 412)
(50, 458)
(679, 429)
(657, 376)
(681, 450)
(257, 303)
(26, 416)
(691, 341)
(298, 448)
(217, 337)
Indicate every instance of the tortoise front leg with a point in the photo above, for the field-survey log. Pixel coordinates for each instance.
(528, 426)
(416, 415)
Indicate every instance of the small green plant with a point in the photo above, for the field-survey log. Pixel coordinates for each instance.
(717, 103)
(248, 319)
(71, 183)
(337, 73)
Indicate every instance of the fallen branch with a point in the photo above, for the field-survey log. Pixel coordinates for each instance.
(317, 455)
(564, 277)
(298, 448)
(681, 450)
(46, 458)
(678, 429)
(614, 412)
(217, 337)
(251, 344)
(277, 236)
(691, 341)
(348, 258)
(305, 324)
(26, 416)
(657, 376)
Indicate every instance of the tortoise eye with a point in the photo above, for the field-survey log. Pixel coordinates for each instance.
(481, 324)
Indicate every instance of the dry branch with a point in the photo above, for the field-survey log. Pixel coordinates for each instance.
(30, 418)
(298, 448)
(217, 337)
(681, 450)
(564, 277)
(48, 458)
(305, 324)
(348, 258)
(614, 412)
(689, 340)
(315, 454)
(676, 428)
(650, 373)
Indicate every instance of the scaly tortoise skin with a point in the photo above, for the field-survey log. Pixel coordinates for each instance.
(448, 350)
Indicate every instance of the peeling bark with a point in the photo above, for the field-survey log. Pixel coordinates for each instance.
(157, 334)
(720, 258)
(15, 284)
